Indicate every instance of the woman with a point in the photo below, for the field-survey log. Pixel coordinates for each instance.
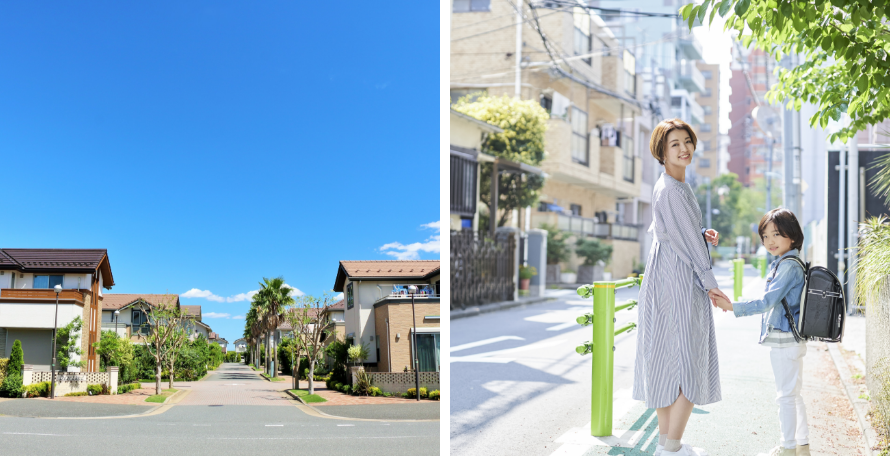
(676, 364)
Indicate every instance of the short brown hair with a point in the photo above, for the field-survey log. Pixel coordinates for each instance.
(786, 224)
(658, 141)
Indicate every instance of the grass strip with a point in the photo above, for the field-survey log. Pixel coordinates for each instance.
(274, 379)
(306, 397)
(160, 398)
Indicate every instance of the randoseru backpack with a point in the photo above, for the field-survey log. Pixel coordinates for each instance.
(822, 305)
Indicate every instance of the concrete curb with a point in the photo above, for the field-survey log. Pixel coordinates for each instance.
(496, 306)
(860, 406)
(312, 411)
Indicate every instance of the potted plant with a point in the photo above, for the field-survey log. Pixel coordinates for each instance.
(557, 252)
(596, 255)
(568, 276)
(525, 276)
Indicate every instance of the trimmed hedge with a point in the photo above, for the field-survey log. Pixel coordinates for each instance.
(435, 395)
(36, 390)
(124, 389)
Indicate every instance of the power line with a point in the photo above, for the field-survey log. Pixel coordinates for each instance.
(499, 28)
(617, 12)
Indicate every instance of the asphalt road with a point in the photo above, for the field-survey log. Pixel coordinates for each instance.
(517, 382)
(219, 428)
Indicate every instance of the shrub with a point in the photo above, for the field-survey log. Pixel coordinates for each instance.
(3, 363)
(434, 395)
(387, 394)
(12, 385)
(527, 272)
(16, 359)
(593, 251)
(36, 390)
(95, 390)
(412, 393)
(362, 383)
(76, 394)
(375, 391)
(124, 389)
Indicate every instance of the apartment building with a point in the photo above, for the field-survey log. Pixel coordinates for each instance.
(708, 163)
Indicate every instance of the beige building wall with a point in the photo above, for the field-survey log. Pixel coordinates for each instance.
(711, 153)
(397, 346)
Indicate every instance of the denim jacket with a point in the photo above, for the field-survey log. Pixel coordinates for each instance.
(786, 283)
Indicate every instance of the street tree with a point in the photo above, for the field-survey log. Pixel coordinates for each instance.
(845, 43)
(524, 123)
(164, 326)
(177, 339)
(310, 321)
(114, 350)
(272, 299)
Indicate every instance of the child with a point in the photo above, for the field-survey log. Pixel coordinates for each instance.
(781, 235)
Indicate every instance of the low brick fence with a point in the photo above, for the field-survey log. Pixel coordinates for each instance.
(400, 382)
(72, 382)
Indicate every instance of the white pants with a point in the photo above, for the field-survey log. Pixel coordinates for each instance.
(788, 370)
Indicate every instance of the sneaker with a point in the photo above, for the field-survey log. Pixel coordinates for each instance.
(782, 451)
(803, 450)
(685, 450)
(660, 448)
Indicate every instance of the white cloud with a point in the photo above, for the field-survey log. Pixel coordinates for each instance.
(294, 291)
(433, 225)
(208, 295)
(242, 296)
(338, 297)
(411, 251)
(238, 317)
(215, 315)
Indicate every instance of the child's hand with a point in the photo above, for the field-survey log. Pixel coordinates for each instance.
(722, 303)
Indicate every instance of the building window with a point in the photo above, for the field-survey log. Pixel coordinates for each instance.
(457, 94)
(704, 162)
(707, 74)
(707, 92)
(630, 73)
(582, 33)
(576, 209)
(706, 145)
(707, 110)
(349, 300)
(47, 281)
(580, 137)
(547, 103)
(628, 149)
(467, 6)
(428, 352)
(676, 102)
(138, 317)
(706, 127)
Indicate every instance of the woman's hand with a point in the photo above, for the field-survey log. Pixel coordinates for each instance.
(712, 236)
(719, 299)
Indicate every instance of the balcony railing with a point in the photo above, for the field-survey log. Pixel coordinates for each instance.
(41, 293)
(690, 77)
(589, 227)
(691, 48)
(424, 291)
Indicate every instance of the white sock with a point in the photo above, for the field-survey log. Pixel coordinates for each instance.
(672, 445)
(662, 438)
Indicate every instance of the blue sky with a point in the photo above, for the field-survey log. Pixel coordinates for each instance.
(209, 144)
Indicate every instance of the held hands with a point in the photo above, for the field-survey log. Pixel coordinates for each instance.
(719, 299)
(712, 236)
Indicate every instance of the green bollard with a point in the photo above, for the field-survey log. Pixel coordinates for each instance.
(763, 268)
(738, 266)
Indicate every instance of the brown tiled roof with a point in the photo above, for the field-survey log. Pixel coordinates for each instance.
(339, 305)
(114, 301)
(213, 336)
(384, 269)
(191, 311)
(58, 260)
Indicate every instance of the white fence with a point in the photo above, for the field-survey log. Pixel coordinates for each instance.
(72, 382)
(400, 382)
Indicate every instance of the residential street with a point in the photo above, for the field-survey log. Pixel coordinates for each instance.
(232, 412)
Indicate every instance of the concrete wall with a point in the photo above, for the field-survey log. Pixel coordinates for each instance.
(36, 315)
(72, 382)
(400, 382)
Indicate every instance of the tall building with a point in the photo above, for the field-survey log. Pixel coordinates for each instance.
(707, 164)
(590, 85)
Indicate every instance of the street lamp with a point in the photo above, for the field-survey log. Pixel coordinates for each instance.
(52, 384)
(117, 314)
(413, 290)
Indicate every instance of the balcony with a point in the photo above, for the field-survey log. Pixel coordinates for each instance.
(587, 226)
(689, 76)
(690, 47)
(42, 294)
(424, 292)
(684, 107)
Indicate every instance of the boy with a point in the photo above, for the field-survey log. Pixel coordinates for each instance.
(781, 235)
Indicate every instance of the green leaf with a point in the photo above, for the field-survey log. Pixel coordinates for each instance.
(797, 104)
(786, 9)
(846, 28)
(692, 16)
(862, 84)
(724, 7)
(742, 7)
(711, 19)
(703, 10)
(686, 9)
(811, 15)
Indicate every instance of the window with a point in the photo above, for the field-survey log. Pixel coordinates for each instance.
(349, 299)
(466, 6)
(707, 92)
(706, 145)
(747, 170)
(704, 162)
(628, 149)
(576, 209)
(630, 73)
(582, 33)
(707, 110)
(428, 352)
(676, 102)
(457, 94)
(47, 281)
(138, 317)
(580, 138)
(546, 102)
(707, 74)
(706, 127)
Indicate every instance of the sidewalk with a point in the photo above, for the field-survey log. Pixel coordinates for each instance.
(745, 421)
(495, 306)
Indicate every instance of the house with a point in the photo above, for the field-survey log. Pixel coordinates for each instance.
(240, 345)
(28, 310)
(378, 311)
(131, 321)
(337, 325)
(215, 339)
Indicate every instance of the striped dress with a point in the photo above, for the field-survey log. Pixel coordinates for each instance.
(676, 345)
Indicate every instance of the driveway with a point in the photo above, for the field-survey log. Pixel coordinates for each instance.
(234, 384)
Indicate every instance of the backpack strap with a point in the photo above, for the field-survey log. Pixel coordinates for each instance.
(788, 316)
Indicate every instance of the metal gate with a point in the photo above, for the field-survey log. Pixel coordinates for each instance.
(482, 270)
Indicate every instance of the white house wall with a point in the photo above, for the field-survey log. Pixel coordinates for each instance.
(37, 315)
(26, 281)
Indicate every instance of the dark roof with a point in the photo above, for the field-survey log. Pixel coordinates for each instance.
(115, 301)
(385, 269)
(58, 260)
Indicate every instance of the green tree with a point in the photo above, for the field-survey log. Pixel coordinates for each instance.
(845, 44)
(272, 299)
(726, 190)
(66, 344)
(114, 350)
(524, 123)
(164, 325)
(557, 248)
(12, 383)
(16, 358)
(592, 250)
(311, 324)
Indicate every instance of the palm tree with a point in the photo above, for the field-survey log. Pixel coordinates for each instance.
(272, 300)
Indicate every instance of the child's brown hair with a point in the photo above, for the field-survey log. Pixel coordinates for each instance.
(786, 224)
